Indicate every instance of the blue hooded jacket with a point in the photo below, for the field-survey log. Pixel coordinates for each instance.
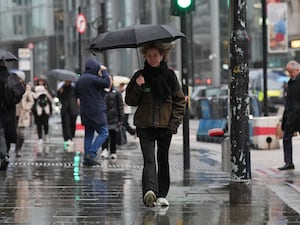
(90, 90)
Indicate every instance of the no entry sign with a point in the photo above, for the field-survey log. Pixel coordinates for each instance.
(81, 23)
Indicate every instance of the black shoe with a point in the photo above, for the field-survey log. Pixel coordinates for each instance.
(89, 159)
(85, 163)
(4, 163)
(287, 167)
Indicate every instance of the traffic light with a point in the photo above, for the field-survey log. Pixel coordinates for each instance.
(179, 7)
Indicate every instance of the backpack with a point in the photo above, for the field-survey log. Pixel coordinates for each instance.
(42, 100)
(14, 89)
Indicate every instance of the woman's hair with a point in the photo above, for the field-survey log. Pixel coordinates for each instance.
(163, 48)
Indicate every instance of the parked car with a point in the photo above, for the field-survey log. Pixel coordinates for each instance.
(204, 92)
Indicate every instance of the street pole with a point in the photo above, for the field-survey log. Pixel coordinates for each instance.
(79, 47)
(265, 56)
(103, 29)
(185, 88)
(240, 182)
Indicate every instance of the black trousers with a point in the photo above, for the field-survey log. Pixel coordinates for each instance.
(42, 123)
(288, 147)
(127, 126)
(111, 141)
(157, 181)
(68, 121)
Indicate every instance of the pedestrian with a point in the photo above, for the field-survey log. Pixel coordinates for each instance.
(23, 117)
(160, 102)
(127, 111)
(291, 115)
(115, 114)
(89, 90)
(42, 109)
(69, 111)
(8, 127)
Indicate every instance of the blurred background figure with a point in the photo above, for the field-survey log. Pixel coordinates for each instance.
(115, 115)
(127, 111)
(42, 109)
(69, 111)
(23, 110)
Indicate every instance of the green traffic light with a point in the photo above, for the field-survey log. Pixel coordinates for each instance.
(184, 3)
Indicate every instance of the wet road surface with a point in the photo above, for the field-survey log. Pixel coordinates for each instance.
(49, 185)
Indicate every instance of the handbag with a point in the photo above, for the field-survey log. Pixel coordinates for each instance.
(121, 135)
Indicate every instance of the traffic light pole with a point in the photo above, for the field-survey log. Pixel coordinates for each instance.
(185, 88)
(79, 48)
(240, 182)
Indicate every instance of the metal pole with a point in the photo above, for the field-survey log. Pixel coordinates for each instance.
(79, 47)
(240, 182)
(103, 29)
(185, 87)
(265, 56)
(215, 43)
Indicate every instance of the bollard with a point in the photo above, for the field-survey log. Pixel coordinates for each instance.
(226, 154)
(226, 148)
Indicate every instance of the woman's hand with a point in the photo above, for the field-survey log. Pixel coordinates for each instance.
(140, 80)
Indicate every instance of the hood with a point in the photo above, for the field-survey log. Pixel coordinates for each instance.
(92, 66)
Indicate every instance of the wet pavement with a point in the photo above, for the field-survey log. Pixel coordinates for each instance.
(49, 185)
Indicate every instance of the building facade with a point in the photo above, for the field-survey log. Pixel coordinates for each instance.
(49, 26)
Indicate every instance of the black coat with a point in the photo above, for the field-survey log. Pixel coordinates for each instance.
(115, 108)
(66, 95)
(291, 114)
(7, 111)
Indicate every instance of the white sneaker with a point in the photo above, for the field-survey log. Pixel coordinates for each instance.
(47, 138)
(104, 154)
(113, 156)
(162, 202)
(149, 198)
(163, 210)
(40, 141)
(70, 142)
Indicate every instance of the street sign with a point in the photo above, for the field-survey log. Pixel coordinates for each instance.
(81, 23)
(24, 55)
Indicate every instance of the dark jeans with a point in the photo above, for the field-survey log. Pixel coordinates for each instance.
(158, 181)
(288, 147)
(111, 141)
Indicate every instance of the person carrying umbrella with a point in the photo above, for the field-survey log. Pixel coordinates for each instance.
(69, 111)
(160, 102)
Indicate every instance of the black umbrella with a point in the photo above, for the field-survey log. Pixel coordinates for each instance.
(135, 36)
(62, 74)
(7, 56)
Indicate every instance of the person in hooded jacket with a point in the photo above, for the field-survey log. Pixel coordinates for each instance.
(23, 110)
(160, 102)
(89, 90)
(69, 111)
(42, 113)
(115, 115)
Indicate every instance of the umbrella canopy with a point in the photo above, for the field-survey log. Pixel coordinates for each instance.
(135, 36)
(7, 56)
(117, 80)
(62, 74)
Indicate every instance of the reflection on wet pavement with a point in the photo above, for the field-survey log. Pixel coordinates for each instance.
(49, 185)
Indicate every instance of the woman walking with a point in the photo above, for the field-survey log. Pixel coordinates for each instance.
(160, 103)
